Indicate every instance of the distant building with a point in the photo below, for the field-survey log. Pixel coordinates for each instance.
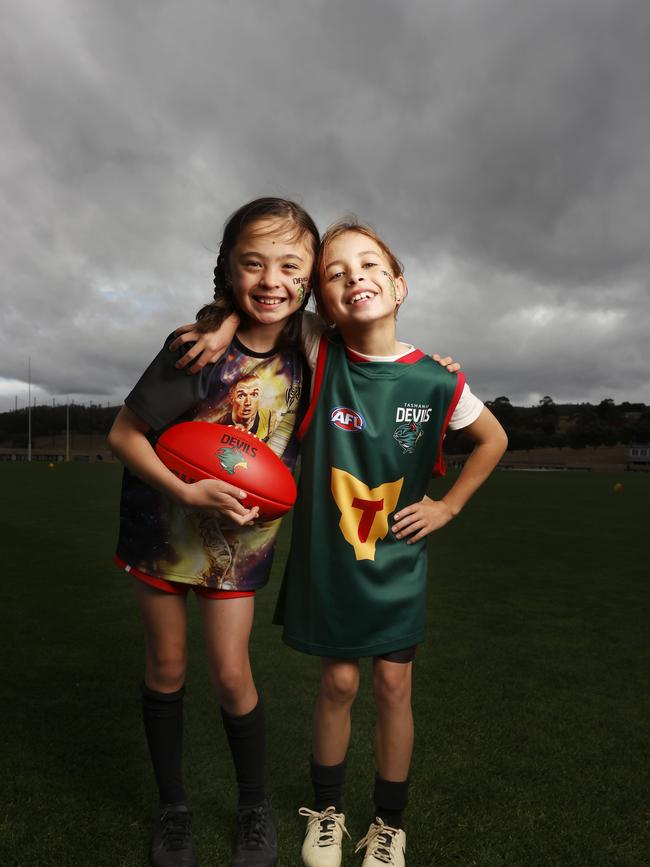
(638, 456)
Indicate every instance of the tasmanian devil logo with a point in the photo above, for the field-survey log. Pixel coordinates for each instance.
(231, 459)
(364, 510)
(407, 435)
(344, 418)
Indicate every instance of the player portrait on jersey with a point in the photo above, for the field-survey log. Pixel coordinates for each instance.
(247, 408)
(191, 546)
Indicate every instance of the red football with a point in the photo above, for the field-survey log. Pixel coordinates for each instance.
(197, 450)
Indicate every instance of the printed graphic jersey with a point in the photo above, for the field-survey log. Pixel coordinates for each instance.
(257, 391)
(370, 440)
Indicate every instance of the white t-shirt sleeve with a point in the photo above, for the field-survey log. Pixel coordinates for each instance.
(468, 409)
(313, 329)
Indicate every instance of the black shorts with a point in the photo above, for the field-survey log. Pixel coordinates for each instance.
(405, 655)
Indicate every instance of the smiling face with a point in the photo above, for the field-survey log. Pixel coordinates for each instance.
(357, 281)
(269, 268)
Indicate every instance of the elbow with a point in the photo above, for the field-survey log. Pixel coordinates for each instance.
(113, 440)
(111, 445)
(496, 442)
(502, 441)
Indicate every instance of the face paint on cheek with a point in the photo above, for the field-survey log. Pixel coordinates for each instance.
(393, 287)
(301, 283)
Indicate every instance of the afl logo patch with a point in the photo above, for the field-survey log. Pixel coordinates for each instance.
(348, 419)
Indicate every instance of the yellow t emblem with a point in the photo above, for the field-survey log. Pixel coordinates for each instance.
(364, 510)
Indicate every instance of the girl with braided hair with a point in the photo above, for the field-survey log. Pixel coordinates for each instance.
(175, 537)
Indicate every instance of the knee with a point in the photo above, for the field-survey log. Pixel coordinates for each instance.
(339, 684)
(392, 685)
(166, 667)
(230, 681)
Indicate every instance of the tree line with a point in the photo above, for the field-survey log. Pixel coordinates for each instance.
(544, 425)
(51, 421)
(576, 426)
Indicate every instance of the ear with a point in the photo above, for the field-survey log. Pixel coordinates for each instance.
(401, 290)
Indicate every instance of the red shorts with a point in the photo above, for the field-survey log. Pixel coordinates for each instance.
(179, 588)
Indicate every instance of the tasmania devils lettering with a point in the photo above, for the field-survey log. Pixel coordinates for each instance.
(410, 413)
(369, 509)
(242, 445)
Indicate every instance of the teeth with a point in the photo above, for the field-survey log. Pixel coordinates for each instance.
(360, 297)
(269, 302)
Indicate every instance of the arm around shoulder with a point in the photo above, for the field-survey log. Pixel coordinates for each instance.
(208, 346)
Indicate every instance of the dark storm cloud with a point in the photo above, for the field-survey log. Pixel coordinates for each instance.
(502, 147)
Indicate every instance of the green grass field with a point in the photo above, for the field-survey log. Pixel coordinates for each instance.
(531, 692)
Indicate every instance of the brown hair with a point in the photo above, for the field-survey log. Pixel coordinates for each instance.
(212, 315)
(352, 224)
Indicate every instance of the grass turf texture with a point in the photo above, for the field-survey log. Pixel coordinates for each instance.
(531, 697)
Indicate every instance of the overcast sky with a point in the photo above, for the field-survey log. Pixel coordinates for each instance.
(502, 147)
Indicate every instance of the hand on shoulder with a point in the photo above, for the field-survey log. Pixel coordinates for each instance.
(448, 362)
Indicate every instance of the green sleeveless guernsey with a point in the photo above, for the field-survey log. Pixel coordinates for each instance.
(370, 440)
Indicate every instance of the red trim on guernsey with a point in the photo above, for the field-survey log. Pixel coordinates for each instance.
(318, 381)
(439, 466)
(409, 358)
(180, 588)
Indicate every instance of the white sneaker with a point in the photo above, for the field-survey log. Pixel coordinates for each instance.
(323, 837)
(384, 845)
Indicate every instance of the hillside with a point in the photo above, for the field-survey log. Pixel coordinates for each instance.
(559, 427)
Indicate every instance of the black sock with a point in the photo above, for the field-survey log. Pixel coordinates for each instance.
(247, 739)
(328, 782)
(162, 713)
(390, 801)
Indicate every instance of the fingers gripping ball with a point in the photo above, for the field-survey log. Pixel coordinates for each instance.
(196, 450)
